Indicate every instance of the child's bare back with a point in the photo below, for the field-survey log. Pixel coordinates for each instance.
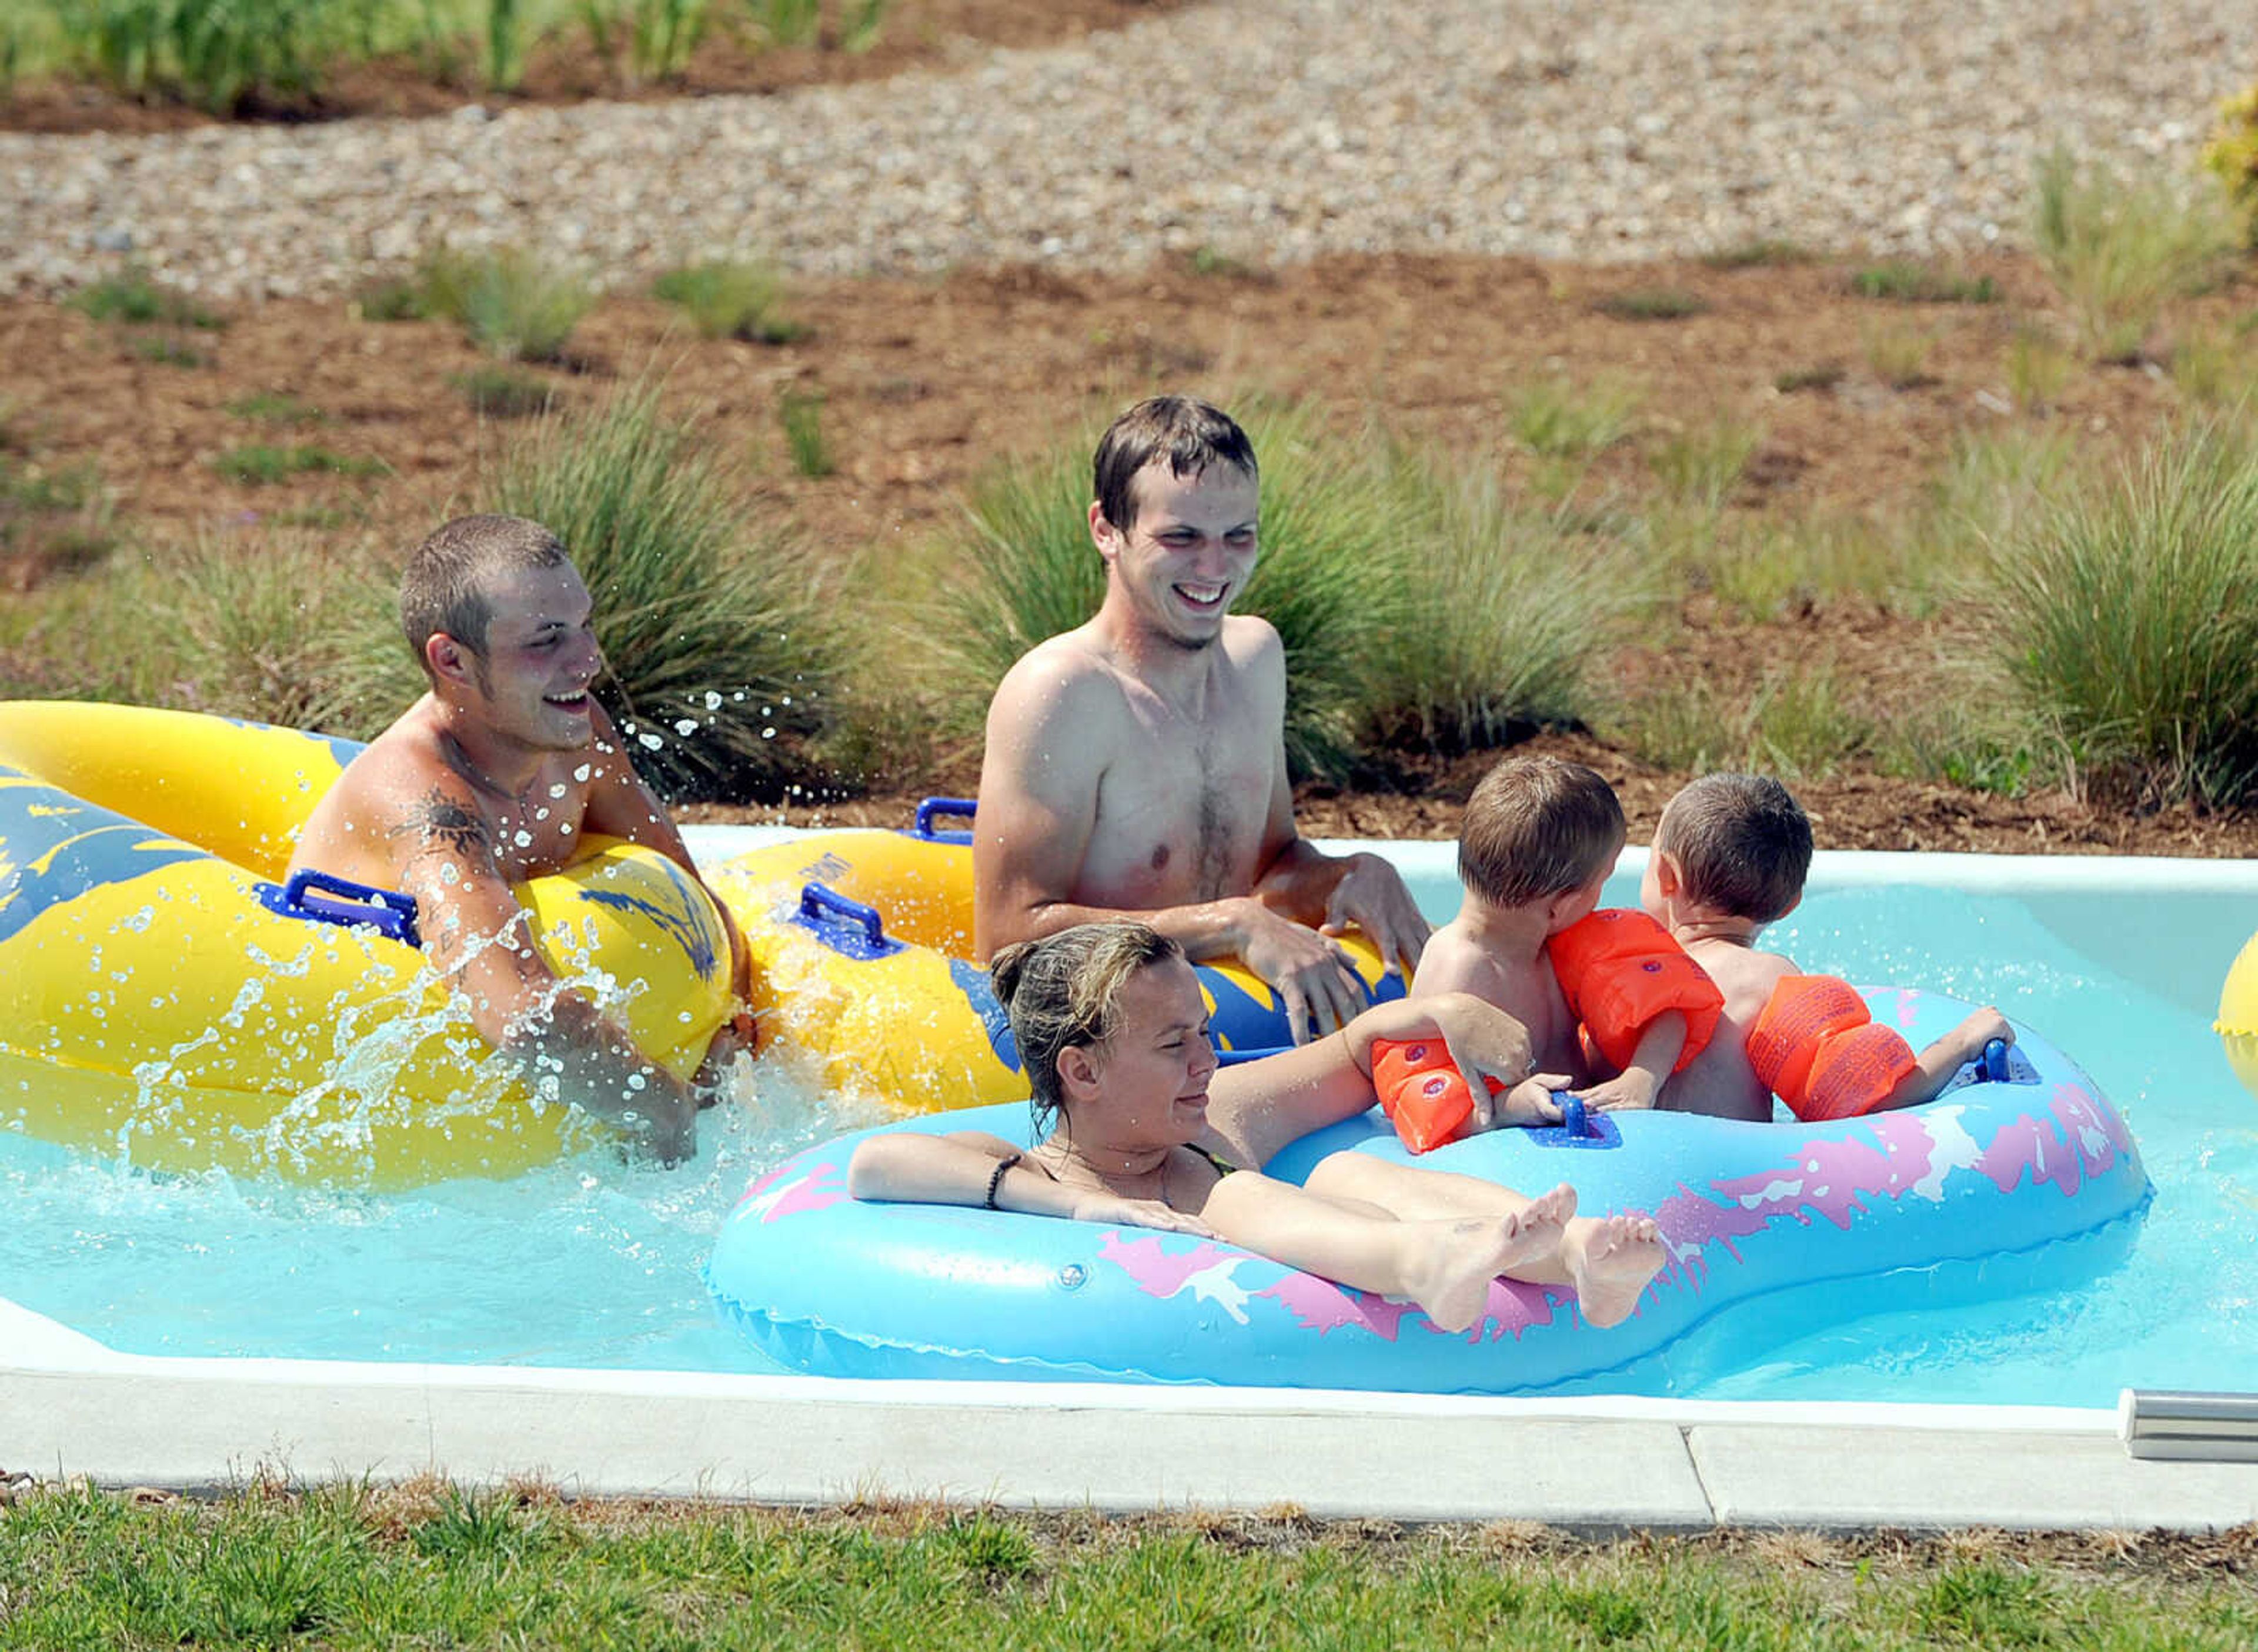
(1720, 1081)
(1519, 980)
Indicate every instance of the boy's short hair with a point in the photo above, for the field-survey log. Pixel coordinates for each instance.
(1536, 827)
(1743, 843)
(1189, 434)
(447, 583)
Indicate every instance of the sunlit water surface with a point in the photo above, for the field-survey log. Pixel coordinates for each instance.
(596, 1263)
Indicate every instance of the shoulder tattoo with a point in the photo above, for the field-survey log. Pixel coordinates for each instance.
(440, 821)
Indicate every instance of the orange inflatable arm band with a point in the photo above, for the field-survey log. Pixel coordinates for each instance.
(1821, 1051)
(1421, 1091)
(1619, 969)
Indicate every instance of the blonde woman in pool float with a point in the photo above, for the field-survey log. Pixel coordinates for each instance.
(1146, 1132)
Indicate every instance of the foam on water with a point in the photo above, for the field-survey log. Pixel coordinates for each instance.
(594, 1262)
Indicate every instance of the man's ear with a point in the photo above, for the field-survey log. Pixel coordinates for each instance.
(1104, 533)
(1669, 875)
(449, 660)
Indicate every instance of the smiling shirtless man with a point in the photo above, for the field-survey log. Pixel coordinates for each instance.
(1136, 765)
(498, 775)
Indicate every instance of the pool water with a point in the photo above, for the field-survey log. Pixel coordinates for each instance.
(596, 1263)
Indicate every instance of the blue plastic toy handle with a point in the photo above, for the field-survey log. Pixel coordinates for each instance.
(1994, 1069)
(819, 903)
(389, 912)
(1572, 1116)
(922, 827)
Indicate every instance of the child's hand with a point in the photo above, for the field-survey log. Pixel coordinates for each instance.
(1629, 1092)
(1979, 1029)
(1531, 1102)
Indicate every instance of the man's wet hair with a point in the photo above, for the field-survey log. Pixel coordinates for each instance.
(1741, 843)
(1191, 435)
(1065, 990)
(1536, 827)
(447, 585)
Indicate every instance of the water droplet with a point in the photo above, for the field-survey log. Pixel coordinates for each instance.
(768, 733)
(713, 701)
(582, 772)
(650, 742)
(686, 727)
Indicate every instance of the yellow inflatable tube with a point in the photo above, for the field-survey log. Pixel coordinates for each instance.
(2237, 1025)
(861, 941)
(152, 1006)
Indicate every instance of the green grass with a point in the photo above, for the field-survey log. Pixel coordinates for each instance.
(722, 638)
(163, 351)
(392, 301)
(2215, 367)
(512, 303)
(2120, 246)
(279, 627)
(218, 54)
(504, 393)
(800, 413)
(1908, 282)
(1763, 252)
(52, 521)
(135, 297)
(1769, 570)
(265, 463)
(1702, 464)
(735, 298)
(1799, 722)
(2039, 368)
(352, 1568)
(1821, 375)
(1898, 355)
(276, 407)
(652, 40)
(2125, 611)
(1555, 418)
(1652, 304)
(1513, 609)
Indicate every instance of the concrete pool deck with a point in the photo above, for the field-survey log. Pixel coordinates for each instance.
(70, 1407)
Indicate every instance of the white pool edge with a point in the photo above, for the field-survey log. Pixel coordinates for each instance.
(69, 1405)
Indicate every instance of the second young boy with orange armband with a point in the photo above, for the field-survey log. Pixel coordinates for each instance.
(1599, 992)
(1729, 857)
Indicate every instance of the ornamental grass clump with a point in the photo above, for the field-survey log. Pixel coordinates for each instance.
(722, 641)
(218, 54)
(2126, 612)
(512, 303)
(1510, 606)
(2119, 247)
(732, 298)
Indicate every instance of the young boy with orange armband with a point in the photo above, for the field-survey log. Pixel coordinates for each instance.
(1599, 992)
(1729, 857)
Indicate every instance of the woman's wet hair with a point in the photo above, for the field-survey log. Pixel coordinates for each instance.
(447, 585)
(1191, 435)
(1064, 990)
(1743, 843)
(1536, 827)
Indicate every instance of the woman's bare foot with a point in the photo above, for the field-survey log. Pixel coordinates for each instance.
(1539, 1230)
(1450, 1264)
(1609, 1260)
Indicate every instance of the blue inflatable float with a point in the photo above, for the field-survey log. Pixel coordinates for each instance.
(2018, 1179)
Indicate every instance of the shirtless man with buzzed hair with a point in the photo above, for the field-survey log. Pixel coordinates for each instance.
(498, 775)
(1136, 765)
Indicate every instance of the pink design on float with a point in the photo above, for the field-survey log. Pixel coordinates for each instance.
(788, 1191)
(2077, 1139)
(1321, 1306)
(1208, 1271)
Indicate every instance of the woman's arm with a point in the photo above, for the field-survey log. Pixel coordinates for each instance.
(908, 1169)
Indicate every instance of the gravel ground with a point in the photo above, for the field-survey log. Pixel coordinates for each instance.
(1608, 130)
